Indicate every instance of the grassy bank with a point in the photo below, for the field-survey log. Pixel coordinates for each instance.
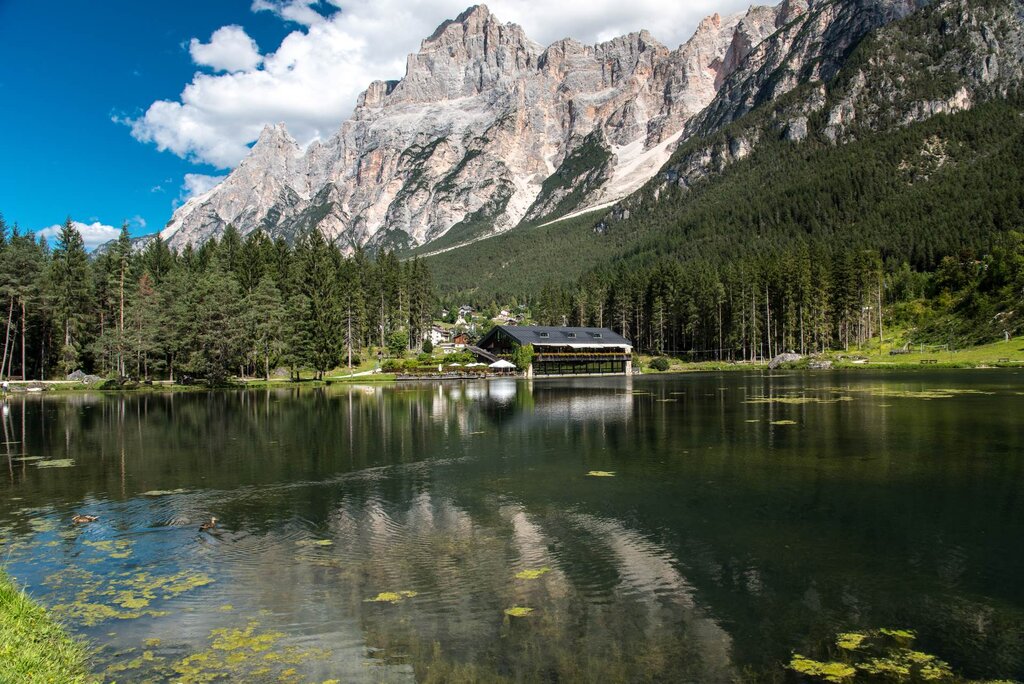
(33, 648)
(1002, 354)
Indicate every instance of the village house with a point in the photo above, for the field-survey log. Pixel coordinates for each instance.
(563, 350)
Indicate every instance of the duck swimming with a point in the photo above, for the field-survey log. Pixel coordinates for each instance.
(208, 525)
(80, 519)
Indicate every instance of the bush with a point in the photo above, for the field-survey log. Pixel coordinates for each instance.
(428, 347)
(660, 364)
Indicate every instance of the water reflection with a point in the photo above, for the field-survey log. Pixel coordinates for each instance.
(745, 520)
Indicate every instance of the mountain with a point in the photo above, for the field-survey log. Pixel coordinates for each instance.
(486, 130)
(894, 127)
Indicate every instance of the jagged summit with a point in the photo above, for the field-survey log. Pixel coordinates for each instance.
(486, 129)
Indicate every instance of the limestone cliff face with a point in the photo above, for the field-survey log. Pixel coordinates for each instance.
(485, 130)
(840, 71)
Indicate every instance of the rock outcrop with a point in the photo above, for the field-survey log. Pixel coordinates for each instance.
(485, 130)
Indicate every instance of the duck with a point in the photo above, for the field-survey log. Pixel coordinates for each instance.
(80, 519)
(208, 525)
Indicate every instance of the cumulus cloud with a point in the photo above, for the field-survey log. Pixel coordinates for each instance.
(230, 49)
(311, 81)
(93, 234)
(198, 183)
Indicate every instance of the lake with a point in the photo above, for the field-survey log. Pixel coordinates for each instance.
(695, 528)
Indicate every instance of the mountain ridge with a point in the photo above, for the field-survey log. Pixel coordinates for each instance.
(467, 139)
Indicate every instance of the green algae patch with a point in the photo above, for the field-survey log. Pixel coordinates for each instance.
(391, 597)
(125, 596)
(851, 641)
(601, 473)
(226, 608)
(826, 671)
(783, 422)
(120, 548)
(163, 492)
(797, 401)
(899, 634)
(518, 611)
(875, 655)
(245, 653)
(56, 463)
(533, 574)
(315, 542)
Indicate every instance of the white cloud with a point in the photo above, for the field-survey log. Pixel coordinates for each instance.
(230, 49)
(93, 234)
(198, 183)
(313, 78)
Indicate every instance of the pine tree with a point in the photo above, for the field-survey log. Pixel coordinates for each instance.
(71, 293)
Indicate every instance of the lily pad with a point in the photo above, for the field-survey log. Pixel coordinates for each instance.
(518, 611)
(532, 574)
(601, 473)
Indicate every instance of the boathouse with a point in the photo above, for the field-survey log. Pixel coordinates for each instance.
(562, 350)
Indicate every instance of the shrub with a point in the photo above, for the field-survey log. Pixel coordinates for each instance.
(428, 347)
(660, 364)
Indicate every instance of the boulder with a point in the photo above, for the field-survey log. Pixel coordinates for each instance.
(788, 357)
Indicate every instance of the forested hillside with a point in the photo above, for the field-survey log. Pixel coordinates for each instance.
(234, 306)
(751, 222)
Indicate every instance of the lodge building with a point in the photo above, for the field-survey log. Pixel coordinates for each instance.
(562, 350)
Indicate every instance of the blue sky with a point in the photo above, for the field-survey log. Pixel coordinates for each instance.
(66, 72)
(118, 110)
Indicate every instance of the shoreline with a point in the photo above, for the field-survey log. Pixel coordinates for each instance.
(34, 646)
(70, 387)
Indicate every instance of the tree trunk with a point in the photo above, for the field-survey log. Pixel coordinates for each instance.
(7, 338)
(23, 340)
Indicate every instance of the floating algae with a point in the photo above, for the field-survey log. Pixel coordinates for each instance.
(783, 422)
(798, 401)
(532, 574)
(829, 672)
(234, 654)
(850, 641)
(125, 596)
(601, 473)
(899, 634)
(875, 654)
(518, 611)
(163, 492)
(121, 548)
(56, 463)
(391, 597)
(315, 542)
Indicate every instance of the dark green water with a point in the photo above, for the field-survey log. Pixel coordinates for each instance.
(723, 543)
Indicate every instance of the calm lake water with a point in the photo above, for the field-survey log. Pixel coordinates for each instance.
(748, 517)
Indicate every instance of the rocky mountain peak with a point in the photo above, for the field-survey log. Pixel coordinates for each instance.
(486, 130)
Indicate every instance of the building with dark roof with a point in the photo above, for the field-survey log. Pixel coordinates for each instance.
(560, 350)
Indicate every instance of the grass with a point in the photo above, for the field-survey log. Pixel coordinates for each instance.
(34, 648)
(875, 355)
